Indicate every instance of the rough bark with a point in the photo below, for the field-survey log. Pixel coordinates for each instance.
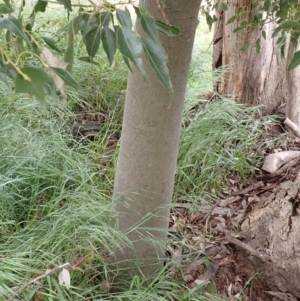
(273, 229)
(249, 77)
(149, 144)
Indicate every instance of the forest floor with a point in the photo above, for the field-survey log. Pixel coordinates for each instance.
(223, 258)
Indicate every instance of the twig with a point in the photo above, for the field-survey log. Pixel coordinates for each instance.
(244, 246)
(293, 126)
(162, 12)
(47, 273)
(248, 189)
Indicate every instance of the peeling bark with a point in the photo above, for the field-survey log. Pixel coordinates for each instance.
(272, 228)
(250, 78)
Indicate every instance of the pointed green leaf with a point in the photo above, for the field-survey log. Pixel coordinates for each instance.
(124, 18)
(67, 4)
(130, 47)
(92, 22)
(105, 18)
(232, 19)
(158, 61)
(223, 6)
(245, 46)
(138, 11)
(148, 24)
(6, 8)
(66, 77)
(263, 33)
(15, 26)
(109, 42)
(143, 5)
(72, 31)
(287, 25)
(39, 7)
(295, 62)
(127, 62)
(92, 41)
(38, 77)
(3, 77)
(257, 45)
(166, 29)
(51, 43)
(88, 59)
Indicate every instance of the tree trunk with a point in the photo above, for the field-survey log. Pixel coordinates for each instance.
(293, 77)
(149, 144)
(249, 77)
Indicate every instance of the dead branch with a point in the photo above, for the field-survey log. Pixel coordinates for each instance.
(244, 246)
(293, 126)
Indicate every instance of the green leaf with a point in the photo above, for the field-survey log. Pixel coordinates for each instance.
(92, 41)
(232, 19)
(127, 62)
(148, 24)
(15, 26)
(6, 8)
(51, 43)
(257, 45)
(90, 23)
(223, 7)
(245, 46)
(88, 59)
(243, 25)
(124, 18)
(67, 4)
(295, 62)
(158, 61)
(109, 42)
(166, 29)
(3, 77)
(287, 25)
(38, 77)
(66, 77)
(130, 47)
(39, 7)
(240, 10)
(266, 5)
(105, 18)
(138, 11)
(143, 5)
(72, 31)
(263, 33)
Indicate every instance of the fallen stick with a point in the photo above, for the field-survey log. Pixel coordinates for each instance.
(244, 246)
(274, 161)
(279, 171)
(249, 188)
(293, 126)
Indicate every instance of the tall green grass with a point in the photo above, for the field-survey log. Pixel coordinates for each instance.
(55, 188)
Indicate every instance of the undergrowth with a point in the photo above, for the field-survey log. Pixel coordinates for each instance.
(55, 188)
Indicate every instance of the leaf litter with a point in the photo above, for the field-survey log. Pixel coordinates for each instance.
(216, 258)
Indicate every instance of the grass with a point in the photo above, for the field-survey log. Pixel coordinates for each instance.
(55, 189)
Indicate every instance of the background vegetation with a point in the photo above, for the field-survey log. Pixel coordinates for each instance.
(51, 180)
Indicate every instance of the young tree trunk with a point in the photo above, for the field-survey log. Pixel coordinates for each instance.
(249, 77)
(149, 143)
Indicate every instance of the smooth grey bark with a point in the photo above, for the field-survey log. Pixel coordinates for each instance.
(149, 144)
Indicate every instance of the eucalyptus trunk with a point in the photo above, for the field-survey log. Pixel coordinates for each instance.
(250, 77)
(149, 144)
(293, 77)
